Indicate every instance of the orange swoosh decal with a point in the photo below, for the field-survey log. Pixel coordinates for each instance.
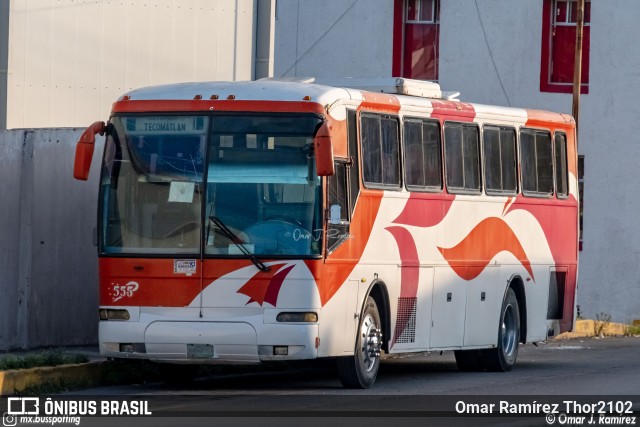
(350, 252)
(490, 237)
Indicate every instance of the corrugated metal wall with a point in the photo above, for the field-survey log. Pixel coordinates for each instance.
(70, 59)
(48, 263)
(10, 176)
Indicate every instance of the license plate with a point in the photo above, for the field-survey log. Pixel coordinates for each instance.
(199, 351)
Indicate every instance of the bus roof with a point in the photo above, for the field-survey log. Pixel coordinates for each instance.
(404, 93)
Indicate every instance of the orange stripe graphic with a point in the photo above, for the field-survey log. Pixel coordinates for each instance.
(490, 237)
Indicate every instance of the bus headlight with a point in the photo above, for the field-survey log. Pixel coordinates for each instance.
(308, 317)
(113, 314)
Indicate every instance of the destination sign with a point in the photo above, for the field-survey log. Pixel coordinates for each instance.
(167, 125)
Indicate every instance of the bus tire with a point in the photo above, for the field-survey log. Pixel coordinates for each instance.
(503, 357)
(361, 369)
(469, 360)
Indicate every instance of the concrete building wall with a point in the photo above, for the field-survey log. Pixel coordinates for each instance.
(333, 38)
(70, 59)
(611, 144)
(48, 267)
(4, 60)
(492, 54)
(490, 51)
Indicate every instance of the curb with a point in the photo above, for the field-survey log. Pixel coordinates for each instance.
(587, 329)
(16, 381)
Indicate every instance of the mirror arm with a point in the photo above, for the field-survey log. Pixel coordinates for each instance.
(89, 135)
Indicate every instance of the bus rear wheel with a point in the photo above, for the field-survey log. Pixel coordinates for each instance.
(503, 357)
(361, 369)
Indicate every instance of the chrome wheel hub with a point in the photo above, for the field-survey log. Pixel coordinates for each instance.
(371, 340)
(508, 326)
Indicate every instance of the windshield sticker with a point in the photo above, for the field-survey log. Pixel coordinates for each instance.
(184, 266)
(181, 192)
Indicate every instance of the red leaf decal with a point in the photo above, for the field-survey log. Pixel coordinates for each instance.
(273, 290)
(265, 286)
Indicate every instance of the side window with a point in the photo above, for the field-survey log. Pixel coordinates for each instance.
(422, 156)
(338, 221)
(390, 152)
(462, 158)
(372, 160)
(500, 160)
(562, 179)
(380, 151)
(537, 162)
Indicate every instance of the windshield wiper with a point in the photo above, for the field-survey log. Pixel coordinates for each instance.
(236, 241)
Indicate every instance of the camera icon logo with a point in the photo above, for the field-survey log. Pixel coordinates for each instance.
(9, 420)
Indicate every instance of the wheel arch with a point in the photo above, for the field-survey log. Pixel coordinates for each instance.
(378, 291)
(517, 284)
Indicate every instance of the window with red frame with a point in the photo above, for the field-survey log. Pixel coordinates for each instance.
(416, 39)
(559, 44)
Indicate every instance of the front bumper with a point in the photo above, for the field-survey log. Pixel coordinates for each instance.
(245, 339)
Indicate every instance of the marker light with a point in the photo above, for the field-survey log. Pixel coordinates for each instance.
(297, 317)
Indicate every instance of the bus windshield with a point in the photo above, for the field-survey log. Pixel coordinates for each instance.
(254, 174)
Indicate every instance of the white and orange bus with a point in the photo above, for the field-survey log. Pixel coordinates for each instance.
(284, 220)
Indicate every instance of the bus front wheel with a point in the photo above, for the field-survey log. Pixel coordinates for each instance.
(503, 357)
(361, 369)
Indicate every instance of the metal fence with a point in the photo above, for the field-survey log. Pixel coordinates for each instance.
(48, 260)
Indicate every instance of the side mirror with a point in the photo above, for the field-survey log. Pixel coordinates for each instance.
(323, 149)
(84, 150)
